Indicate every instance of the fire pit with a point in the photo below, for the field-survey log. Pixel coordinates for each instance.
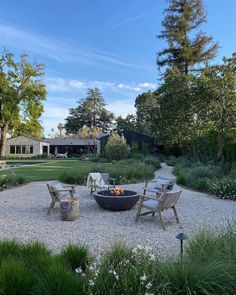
(116, 199)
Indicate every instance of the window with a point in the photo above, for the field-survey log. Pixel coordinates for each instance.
(12, 149)
(31, 149)
(23, 149)
(18, 149)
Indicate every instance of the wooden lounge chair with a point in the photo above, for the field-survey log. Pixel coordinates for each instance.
(98, 180)
(58, 191)
(154, 204)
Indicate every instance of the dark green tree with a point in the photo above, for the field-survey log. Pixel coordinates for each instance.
(127, 123)
(21, 95)
(187, 46)
(144, 104)
(90, 112)
(216, 90)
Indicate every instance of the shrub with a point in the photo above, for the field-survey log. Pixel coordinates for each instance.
(76, 257)
(151, 160)
(54, 278)
(116, 147)
(224, 188)
(14, 278)
(139, 171)
(73, 178)
(181, 179)
(9, 179)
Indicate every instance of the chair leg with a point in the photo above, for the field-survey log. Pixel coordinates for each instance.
(162, 221)
(176, 215)
(50, 207)
(138, 212)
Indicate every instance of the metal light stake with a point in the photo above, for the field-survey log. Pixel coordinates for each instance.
(181, 237)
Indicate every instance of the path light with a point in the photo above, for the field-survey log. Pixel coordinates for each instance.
(181, 237)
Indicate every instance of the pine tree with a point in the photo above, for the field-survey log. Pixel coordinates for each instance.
(182, 19)
(90, 112)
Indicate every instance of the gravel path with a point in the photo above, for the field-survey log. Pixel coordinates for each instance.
(23, 217)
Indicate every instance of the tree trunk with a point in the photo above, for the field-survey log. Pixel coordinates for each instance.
(3, 140)
(220, 146)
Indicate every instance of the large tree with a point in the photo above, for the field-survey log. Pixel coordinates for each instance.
(187, 46)
(21, 94)
(144, 104)
(216, 89)
(126, 123)
(90, 112)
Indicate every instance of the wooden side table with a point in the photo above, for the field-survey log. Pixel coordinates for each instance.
(69, 209)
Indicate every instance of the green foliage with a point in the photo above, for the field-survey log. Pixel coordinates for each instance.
(90, 112)
(144, 104)
(9, 179)
(205, 177)
(224, 188)
(185, 50)
(10, 249)
(208, 267)
(76, 257)
(127, 123)
(14, 277)
(116, 147)
(152, 160)
(22, 95)
(55, 279)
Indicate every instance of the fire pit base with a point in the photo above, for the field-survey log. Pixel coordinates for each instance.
(107, 200)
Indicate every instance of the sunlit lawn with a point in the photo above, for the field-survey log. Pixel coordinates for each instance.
(52, 169)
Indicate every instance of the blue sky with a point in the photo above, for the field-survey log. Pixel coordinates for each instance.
(99, 43)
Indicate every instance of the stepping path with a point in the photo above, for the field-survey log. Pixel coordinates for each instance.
(23, 217)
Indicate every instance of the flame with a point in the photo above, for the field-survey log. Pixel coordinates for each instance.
(117, 191)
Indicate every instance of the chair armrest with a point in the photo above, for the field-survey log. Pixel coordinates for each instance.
(71, 186)
(62, 190)
(149, 197)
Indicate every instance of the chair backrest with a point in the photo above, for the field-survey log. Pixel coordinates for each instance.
(165, 183)
(105, 177)
(52, 190)
(169, 199)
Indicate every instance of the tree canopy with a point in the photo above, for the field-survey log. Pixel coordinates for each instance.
(90, 112)
(185, 50)
(22, 92)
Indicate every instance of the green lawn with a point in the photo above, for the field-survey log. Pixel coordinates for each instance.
(54, 168)
(76, 171)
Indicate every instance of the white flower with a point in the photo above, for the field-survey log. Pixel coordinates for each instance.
(143, 278)
(91, 282)
(151, 257)
(78, 270)
(149, 285)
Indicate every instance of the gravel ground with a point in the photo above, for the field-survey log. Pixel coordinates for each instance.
(23, 217)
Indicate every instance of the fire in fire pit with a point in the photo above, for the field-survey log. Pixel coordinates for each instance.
(117, 191)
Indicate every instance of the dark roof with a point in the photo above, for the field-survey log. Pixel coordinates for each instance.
(31, 137)
(70, 141)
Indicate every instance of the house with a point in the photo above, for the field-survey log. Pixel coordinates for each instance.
(73, 146)
(26, 146)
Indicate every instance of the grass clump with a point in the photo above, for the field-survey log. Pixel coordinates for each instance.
(76, 257)
(14, 277)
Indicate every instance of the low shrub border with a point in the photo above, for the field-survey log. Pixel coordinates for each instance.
(207, 267)
(207, 178)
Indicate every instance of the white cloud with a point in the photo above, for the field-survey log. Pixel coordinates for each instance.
(64, 51)
(131, 19)
(60, 84)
